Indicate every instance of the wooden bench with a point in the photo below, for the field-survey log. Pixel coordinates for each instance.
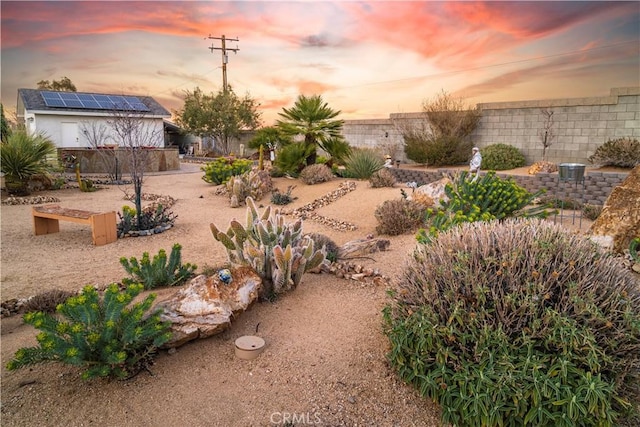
(103, 225)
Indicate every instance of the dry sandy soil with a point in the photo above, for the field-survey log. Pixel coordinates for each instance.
(324, 361)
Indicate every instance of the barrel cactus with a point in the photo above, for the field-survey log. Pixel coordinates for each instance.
(276, 250)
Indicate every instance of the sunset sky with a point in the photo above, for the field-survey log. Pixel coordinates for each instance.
(366, 58)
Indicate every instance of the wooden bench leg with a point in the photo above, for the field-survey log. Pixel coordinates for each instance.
(103, 228)
(45, 225)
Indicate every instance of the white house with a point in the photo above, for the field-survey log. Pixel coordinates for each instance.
(64, 116)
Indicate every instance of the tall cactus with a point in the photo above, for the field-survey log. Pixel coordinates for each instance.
(276, 250)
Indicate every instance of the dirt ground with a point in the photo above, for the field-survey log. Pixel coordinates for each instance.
(324, 361)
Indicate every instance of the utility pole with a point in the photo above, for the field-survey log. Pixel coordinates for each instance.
(225, 57)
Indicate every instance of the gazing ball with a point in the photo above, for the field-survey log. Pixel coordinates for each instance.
(225, 276)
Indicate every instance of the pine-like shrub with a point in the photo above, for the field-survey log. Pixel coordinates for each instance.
(501, 157)
(315, 174)
(517, 323)
(382, 178)
(159, 271)
(107, 337)
(362, 163)
(486, 199)
(399, 216)
(221, 169)
(621, 152)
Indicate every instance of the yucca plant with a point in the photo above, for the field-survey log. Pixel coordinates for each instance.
(362, 163)
(23, 156)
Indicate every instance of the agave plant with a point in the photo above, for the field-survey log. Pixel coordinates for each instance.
(23, 156)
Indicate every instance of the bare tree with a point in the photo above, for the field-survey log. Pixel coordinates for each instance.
(97, 135)
(136, 134)
(547, 133)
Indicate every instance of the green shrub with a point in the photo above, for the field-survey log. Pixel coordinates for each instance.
(150, 219)
(160, 271)
(487, 199)
(278, 198)
(399, 216)
(517, 323)
(220, 170)
(21, 157)
(315, 174)
(292, 158)
(634, 246)
(621, 152)
(277, 251)
(108, 337)
(501, 157)
(382, 178)
(362, 163)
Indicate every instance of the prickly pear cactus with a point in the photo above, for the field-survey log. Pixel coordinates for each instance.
(276, 250)
(249, 184)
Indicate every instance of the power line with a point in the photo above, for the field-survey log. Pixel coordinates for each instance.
(225, 57)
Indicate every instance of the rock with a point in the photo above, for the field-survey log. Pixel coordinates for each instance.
(620, 217)
(206, 305)
(542, 166)
(431, 194)
(361, 247)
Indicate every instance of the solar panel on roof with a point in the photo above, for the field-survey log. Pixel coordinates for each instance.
(93, 102)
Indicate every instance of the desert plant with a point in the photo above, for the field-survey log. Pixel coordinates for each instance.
(362, 163)
(501, 157)
(220, 170)
(442, 136)
(292, 158)
(547, 134)
(107, 337)
(517, 323)
(278, 198)
(47, 301)
(22, 156)
(591, 212)
(330, 247)
(621, 152)
(634, 246)
(248, 184)
(487, 199)
(399, 216)
(149, 219)
(382, 178)
(160, 271)
(315, 174)
(312, 118)
(276, 250)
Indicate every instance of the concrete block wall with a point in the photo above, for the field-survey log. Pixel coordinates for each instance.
(581, 126)
(594, 191)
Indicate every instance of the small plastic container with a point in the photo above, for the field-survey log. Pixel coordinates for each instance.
(249, 347)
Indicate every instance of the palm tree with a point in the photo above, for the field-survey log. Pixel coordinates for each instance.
(313, 118)
(23, 156)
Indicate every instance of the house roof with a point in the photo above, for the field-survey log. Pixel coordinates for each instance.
(33, 100)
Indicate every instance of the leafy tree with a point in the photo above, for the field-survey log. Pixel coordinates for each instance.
(23, 156)
(314, 119)
(442, 137)
(221, 116)
(64, 84)
(6, 129)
